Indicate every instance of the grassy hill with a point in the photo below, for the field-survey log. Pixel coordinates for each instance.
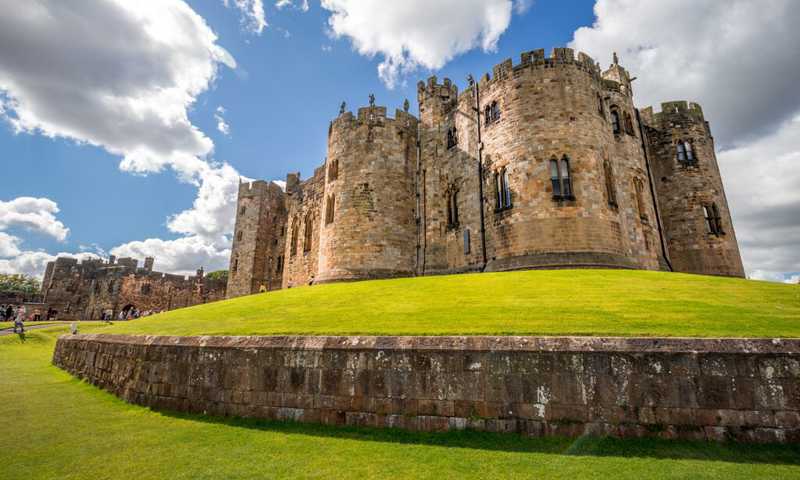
(562, 302)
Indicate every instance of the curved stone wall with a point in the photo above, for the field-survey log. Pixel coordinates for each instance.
(371, 231)
(747, 390)
(549, 108)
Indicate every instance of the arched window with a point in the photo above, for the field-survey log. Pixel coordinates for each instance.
(452, 137)
(561, 179)
(242, 210)
(279, 265)
(330, 206)
(713, 219)
(239, 236)
(615, 124)
(600, 108)
(308, 234)
(611, 189)
(452, 208)
(295, 231)
(639, 190)
(502, 189)
(628, 124)
(235, 266)
(333, 170)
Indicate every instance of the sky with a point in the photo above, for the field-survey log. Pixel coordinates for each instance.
(126, 127)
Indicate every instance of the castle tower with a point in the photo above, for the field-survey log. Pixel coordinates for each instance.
(258, 239)
(448, 180)
(367, 227)
(697, 221)
(565, 177)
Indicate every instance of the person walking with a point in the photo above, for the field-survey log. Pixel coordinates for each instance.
(19, 319)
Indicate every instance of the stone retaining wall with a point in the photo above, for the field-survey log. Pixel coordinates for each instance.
(745, 390)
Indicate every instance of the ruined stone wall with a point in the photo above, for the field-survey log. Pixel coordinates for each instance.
(258, 239)
(85, 290)
(304, 207)
(684, 188)
(747, 390)
(371, 231)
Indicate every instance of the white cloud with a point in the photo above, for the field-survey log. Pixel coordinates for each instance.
(182, 256)
(302, 5)
(9, 245)
(735, 59)
(214, 210)
(253, 18)
(732, 57)
(222, 125)
(122, 76)
(410, 34)
(35, 214)
(33, 263)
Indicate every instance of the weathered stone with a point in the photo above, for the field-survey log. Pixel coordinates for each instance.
(609, 385)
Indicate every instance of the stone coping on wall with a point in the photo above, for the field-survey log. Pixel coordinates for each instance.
(477, 343)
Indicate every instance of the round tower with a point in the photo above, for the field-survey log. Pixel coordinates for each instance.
(697, 222)
(368, 227)
(565, 178)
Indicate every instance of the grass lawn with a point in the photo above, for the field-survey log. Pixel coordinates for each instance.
(560, 302)
(54, 426)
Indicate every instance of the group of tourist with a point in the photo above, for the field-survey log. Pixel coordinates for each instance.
(127, 314)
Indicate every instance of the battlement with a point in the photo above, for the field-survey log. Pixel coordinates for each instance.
(375, 115)
(446, 90)
(672, 112)
(255, 187)
(538, 59)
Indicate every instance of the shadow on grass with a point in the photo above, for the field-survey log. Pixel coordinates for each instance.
(774, 454)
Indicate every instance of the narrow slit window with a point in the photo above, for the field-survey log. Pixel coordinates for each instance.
(308, 235)
(611, 189)
(561, 178)
(452, 137)
(615, 123)
(503, 189)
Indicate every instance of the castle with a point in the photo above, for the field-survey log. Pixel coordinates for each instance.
(544, 164)
(87, 290)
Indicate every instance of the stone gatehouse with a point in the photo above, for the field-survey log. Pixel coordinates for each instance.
(543, 164)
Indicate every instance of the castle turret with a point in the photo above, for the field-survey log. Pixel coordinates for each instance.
(565, 176)
(148, 263)
(697, 222)
(367, 227)
(258, 239)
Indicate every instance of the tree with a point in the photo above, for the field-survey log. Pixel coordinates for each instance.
(218, 275)
(21, 284)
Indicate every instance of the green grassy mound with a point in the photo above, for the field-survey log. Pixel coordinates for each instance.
(56, 427)
(562, 302)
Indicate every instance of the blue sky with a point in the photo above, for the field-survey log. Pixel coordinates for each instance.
(289, 77)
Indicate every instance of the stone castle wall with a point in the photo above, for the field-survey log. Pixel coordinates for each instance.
(259, 239)
(73, 290)
(747, 390)
(371, 230)
(419, 197)
(684, 188)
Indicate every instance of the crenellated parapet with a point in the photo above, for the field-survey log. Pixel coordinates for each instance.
(671, 113)
(537, 59)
